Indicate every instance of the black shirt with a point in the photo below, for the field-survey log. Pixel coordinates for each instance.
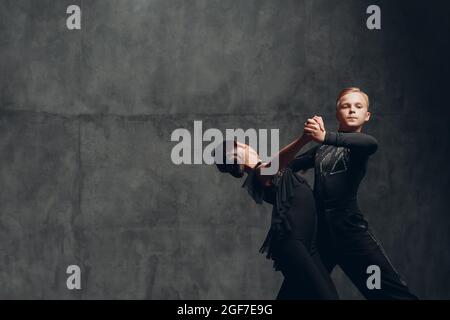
(340, 164)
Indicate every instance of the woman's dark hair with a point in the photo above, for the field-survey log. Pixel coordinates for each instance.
(235, 169)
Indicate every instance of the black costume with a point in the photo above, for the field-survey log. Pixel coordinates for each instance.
(290, 241)
(344, 236)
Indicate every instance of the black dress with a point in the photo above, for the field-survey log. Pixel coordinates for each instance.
(290, 241)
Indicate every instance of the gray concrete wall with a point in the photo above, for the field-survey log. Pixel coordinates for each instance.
(86, 117)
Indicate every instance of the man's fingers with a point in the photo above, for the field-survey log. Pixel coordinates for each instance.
(314, 126)
(321, 127)
(316, 120)
(319, 120)
(311, 121)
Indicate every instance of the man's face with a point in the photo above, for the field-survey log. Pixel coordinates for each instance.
(352, 111)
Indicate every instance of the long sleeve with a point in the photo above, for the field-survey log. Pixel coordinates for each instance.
(253, 186)
(357, 141)
(304, 161)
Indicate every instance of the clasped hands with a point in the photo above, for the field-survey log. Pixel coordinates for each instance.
(314, 129)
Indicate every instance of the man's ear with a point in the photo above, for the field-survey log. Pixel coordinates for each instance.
(368, 114)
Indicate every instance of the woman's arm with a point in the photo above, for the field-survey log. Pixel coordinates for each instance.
(284, 157)
(305, 160)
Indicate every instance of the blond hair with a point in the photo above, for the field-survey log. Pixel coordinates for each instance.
(350, 90)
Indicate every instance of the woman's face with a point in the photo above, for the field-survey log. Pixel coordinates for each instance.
(244, 154)
(239, 155)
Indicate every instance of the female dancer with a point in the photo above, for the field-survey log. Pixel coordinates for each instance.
(290, 242)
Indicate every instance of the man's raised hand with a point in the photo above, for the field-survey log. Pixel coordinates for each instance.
(315, 128)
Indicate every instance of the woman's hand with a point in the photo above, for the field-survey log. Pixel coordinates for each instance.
(315, 128)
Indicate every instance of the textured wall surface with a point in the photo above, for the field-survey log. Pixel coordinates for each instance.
(86, 116)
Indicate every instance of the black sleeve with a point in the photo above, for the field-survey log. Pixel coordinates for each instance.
(304, 161)
(357, 141)
(253, 186)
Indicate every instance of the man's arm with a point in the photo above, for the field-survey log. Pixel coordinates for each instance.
(361, 142)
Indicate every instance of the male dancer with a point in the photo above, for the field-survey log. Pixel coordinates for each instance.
(340, 162)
